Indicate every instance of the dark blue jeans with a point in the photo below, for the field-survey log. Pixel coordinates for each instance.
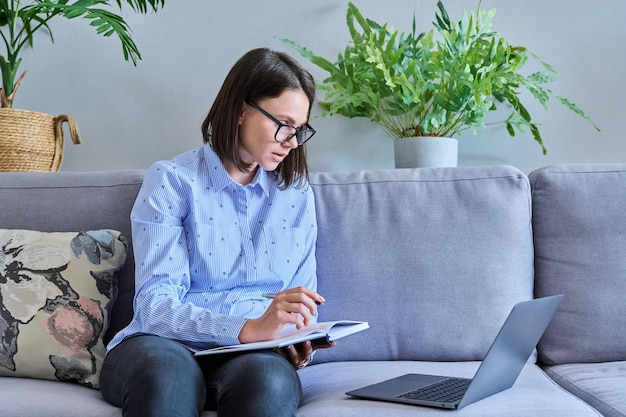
(153, 376)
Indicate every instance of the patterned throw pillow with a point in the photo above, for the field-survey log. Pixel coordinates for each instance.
(56, 294)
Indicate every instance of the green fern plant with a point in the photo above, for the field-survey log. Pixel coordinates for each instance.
(20, 20)
(434, 83)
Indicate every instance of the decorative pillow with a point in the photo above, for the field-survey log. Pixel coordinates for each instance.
(56, 294)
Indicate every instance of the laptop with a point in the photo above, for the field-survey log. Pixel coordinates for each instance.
(503, 363)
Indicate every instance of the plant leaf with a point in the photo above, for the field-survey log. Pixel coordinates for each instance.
(437, 82)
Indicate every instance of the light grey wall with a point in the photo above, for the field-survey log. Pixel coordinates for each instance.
(131, 116)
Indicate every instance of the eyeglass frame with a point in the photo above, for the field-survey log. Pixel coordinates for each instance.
(280, 124)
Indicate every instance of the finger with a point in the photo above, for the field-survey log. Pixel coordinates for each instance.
(295, 319)
(305, 313)
(292, 355)
(303, 295)
(317, 298)
(289, 354)
(304, 349)
(304, 306)
(298, 313)
(324, 346)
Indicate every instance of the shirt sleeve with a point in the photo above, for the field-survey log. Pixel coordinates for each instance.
(162, 266)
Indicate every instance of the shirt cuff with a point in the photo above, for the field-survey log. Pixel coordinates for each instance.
(231, 327)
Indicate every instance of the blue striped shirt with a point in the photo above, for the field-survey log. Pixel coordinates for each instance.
(207, 249)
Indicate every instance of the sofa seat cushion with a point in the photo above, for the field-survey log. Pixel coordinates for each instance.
(324, 385)
(533, 395)
(601, 385)
(57, 291)
(25, 397)
(579, 225)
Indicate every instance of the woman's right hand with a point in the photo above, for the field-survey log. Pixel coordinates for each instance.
(295, 306)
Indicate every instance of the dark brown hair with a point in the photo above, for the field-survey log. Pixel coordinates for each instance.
(259, 74)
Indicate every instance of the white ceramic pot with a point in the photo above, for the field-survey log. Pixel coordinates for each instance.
(426, 152)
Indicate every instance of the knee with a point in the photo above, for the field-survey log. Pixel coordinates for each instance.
(154, 368)
(164, 359)
(269, 382)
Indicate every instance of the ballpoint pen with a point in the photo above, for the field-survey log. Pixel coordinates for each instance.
(272, 296)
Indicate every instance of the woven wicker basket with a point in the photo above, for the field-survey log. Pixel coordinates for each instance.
(32, 141)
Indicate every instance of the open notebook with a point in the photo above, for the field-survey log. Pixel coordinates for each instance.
(322, 333)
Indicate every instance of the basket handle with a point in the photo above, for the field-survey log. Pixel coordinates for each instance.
(72, 125)
(58, 151)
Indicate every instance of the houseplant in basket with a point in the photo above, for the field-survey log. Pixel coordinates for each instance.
(31, 141)
(433, 84)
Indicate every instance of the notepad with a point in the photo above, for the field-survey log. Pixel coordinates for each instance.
(322, 333)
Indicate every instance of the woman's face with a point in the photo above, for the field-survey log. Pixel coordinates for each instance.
(256, 131)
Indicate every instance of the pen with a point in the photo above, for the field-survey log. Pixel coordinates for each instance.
(272, 296)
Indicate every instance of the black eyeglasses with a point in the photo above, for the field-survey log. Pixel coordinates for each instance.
(286, 132)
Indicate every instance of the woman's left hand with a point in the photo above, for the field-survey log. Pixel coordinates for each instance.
(300, 354)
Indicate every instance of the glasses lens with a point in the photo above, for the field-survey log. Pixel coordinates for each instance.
(305, 135)
(285, 133)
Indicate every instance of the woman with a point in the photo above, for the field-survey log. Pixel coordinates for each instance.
(214, 230)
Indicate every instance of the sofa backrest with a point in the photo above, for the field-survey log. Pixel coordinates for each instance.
(579, 223)
(433, 259)
(75, 201)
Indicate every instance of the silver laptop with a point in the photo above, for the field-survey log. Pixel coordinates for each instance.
(503, 363)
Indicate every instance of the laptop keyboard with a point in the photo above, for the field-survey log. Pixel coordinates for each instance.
(448, 390)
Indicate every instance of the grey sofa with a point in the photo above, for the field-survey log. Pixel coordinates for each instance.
(433, 259)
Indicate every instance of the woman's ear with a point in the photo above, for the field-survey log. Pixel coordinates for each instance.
(242, 113)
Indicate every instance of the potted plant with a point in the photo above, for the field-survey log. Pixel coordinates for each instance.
(40, 147)
(432, 84)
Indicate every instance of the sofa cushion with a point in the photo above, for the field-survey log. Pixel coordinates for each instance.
(57, 290)
(532, 395)
(26, 397)
(433, 259)
(599, 384)
(324, 385)
(579, 223)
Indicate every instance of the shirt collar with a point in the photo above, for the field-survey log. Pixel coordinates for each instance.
(220, 179)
